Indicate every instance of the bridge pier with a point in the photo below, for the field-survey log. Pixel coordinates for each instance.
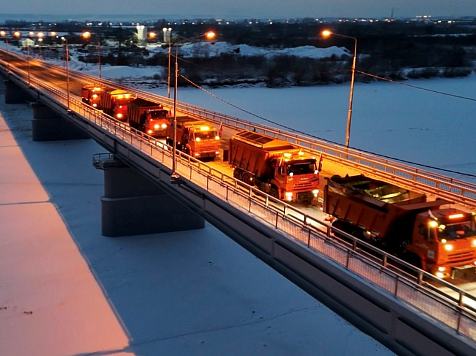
(133, 205)
(47, 125)
(14, 94)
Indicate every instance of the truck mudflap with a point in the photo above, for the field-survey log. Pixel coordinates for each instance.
(462, 271)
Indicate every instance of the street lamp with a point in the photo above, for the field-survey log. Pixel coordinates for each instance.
(209, 35)
(3, 34)
(327, 33)
(87, 35)
(167, 33)
(67, 68)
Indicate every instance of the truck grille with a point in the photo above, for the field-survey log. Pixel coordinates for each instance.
(303, 186)
(461, 256)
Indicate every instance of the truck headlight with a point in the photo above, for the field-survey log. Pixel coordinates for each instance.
(164, 126)
(473, 243)
(119, 116)
(315, 192)
(441, 269)
(156, 126)
(440, 274)
(288, 196)
(448, 247)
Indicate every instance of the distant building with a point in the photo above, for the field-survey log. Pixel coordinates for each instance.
(141, 35)
(27, 42)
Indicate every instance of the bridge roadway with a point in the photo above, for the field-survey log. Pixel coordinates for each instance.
(298, 224)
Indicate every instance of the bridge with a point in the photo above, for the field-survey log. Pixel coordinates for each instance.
(409, 315)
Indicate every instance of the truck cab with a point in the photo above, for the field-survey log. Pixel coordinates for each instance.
(298, 177)
(200, 140)
(155, 122)
(445, 241)
(91, 95)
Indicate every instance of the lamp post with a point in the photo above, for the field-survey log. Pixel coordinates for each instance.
(3, 34)
(28, 59)
(208, 35)
(167, 33)
(87, 35)
(67, 69)
(328, 33)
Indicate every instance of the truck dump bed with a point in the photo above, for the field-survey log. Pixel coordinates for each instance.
(249, 150)
(371, 204)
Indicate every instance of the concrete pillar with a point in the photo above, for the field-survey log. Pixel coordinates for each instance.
(47, 125)
(133, 205)
(14, 94)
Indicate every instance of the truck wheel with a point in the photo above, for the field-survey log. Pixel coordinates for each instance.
(237, 174)
(274, 193)
(247, 178)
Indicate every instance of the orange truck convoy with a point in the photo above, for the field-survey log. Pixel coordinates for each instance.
(275, 166)
(441, 241)
(196, 138)
(148, 117)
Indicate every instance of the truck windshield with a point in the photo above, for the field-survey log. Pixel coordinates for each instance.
(457, 231)
(158, 114)
(206, 135)
(302, 167)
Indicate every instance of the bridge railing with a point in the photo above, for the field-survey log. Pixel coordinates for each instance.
(455, 309)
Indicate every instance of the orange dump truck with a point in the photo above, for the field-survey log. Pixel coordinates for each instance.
(148, 117)
(115, 103)
(275, 166)
(196, 138)
(91, 95)
(441, 241)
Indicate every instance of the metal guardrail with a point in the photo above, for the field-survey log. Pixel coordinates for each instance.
(457, 311)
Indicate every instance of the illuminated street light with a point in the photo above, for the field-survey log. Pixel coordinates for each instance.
(3, 34)
(328, 33)
(209, 35)
(167, 33)
(87, 35)
(67, 68)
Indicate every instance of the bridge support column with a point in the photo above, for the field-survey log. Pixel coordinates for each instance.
(133, 205)
(14, 94)
(47, 125)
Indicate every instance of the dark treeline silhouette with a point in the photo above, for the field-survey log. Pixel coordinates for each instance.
(392, 49)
